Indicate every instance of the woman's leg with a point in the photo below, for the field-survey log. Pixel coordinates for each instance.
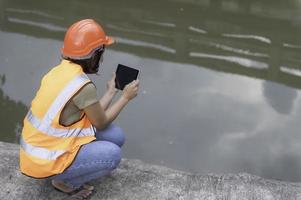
(94, 160)
(112, 133)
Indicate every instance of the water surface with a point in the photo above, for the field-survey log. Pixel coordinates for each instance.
(220, 80)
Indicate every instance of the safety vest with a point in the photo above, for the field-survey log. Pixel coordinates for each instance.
(47, 147)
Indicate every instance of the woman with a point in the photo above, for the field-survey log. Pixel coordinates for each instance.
(67, 133)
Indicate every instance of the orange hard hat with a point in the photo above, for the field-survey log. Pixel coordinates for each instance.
(82, 38)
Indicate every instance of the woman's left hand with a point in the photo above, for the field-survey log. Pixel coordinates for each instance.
(111, 84)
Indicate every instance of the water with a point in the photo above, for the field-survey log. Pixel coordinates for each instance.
(220, 80)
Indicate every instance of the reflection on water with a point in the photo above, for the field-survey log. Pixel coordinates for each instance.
(11, 116)
(281, 98)
(220, 79)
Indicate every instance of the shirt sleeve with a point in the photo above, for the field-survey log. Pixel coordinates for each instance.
(86, 96)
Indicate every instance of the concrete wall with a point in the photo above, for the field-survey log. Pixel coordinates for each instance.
(135, 180)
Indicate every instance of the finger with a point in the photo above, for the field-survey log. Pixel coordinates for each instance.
(113, 76)
(136, 82)
(132, 83)
(127, 86)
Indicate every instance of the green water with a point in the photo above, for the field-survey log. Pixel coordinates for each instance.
(220, 79)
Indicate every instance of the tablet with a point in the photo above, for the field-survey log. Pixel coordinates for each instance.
(125, 75)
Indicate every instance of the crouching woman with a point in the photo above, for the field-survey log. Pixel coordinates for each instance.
(68, 135)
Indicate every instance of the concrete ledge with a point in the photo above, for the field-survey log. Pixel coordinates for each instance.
(135, 180)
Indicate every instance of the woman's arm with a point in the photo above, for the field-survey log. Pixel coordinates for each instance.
(107, 98)
(100, 117)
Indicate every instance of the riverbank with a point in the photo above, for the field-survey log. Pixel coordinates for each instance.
(135, 180)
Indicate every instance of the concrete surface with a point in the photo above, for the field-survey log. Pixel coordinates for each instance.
(135, 180)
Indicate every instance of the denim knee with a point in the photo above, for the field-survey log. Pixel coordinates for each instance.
(112, 134)
(113, 155)
(119, 135)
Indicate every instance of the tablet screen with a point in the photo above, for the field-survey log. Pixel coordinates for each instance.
(125, 75)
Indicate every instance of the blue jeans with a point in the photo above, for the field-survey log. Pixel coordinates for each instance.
(95, 159)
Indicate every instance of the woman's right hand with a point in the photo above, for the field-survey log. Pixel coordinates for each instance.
(130, 91)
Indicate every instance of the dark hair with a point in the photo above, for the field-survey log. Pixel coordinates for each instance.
(85, 64)
(90, 65)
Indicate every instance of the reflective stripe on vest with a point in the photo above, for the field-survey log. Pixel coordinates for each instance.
(44, 125)
(47, 147)
(56, 132)
(64, 97)
(40, 152)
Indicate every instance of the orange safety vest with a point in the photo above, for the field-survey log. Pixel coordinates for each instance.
(47, 147)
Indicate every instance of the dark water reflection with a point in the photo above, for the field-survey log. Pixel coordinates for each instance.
(220, 80)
